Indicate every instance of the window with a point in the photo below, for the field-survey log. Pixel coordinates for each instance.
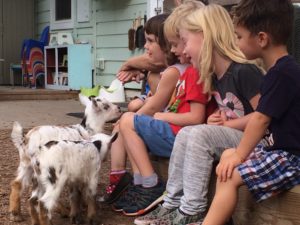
(62, 14)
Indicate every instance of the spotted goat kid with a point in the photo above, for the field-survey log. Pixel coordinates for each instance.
(98, 111)
(72, 163)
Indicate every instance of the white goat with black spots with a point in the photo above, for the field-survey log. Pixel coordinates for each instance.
(72, 163)
(98, 111)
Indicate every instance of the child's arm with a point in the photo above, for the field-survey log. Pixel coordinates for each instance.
(254, 131)
(142, 62)
(218, 118)
(164, 92)
(195, 116)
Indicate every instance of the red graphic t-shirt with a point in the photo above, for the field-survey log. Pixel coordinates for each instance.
(187, 89)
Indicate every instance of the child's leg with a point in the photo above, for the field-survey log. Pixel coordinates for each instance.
(224, 201)
(135, 145)
(118, 152)
(118, 178)
(147, 195)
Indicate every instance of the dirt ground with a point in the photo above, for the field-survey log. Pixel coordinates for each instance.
(30, 114)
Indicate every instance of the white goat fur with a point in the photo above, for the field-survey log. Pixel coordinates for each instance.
(97, 112)
(72, 163)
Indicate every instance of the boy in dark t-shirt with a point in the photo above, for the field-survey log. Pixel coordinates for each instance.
(263, 28)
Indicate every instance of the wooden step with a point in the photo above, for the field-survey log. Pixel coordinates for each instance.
(12, 93)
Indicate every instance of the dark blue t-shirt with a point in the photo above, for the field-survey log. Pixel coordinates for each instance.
(280, 100)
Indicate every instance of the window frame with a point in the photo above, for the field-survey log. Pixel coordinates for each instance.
(61, 24)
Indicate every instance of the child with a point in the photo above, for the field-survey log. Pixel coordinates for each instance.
(263, 29)
(157, 50)
(210, 43)
(157, 134)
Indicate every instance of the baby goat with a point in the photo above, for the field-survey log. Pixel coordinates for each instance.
(97, 112)
(76, 164)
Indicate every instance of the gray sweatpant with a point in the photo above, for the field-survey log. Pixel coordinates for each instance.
(194, 151)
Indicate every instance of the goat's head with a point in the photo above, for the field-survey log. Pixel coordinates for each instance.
(98, 111)
(103, 143)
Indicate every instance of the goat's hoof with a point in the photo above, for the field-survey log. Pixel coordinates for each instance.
(76, 220)
(15, 217)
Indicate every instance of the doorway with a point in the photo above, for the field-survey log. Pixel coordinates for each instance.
(16, 24)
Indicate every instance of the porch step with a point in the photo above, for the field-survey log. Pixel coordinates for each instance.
(9, 94)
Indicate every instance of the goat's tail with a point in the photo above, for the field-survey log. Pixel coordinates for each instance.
(17, 135)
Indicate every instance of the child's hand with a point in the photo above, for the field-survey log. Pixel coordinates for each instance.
(159, 116)
(130, 75)
(229, 160)
(217, 118)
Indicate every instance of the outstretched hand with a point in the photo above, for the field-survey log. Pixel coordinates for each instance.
(229, 160)
(130, 75)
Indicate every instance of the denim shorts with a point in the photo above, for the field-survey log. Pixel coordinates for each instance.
(156, 134)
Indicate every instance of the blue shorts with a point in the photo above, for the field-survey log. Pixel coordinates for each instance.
(267, 173)
(156, 134)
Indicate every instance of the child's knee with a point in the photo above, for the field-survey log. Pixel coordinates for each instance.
(126, 121)
(235, 181)
(135, 105)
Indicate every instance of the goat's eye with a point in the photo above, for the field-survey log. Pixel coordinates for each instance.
(106, 106)
(98, 100)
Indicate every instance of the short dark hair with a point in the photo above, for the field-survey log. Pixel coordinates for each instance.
(155, 26)
(274, 17)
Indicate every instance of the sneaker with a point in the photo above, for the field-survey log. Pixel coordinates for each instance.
(177, 218)
(145, 199)
(157, 213)
(125, 199)
(119, 188)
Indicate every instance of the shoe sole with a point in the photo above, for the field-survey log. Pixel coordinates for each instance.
(143, 211)
(120, 188)
(116, 210)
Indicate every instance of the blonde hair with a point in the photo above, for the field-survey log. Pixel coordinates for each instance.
(171, 28)
(218, 36)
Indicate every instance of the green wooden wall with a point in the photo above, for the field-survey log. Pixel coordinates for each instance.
(107, 31)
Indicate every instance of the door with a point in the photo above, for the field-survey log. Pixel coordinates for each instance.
(17, 19)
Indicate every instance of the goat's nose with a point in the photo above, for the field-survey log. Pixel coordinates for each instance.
(119, 108)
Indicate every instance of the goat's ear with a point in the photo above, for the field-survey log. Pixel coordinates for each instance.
(83, 122)
(98, 144)
(114, 137)
(84, 100)
(91, 97)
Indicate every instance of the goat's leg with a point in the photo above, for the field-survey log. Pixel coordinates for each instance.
(44, 215)
(75, 199)
(15, 201)
(50, 196)
(92, 210)
(33, 203)
(91, 192)
(17, 185)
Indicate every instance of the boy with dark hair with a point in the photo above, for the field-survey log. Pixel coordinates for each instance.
(263, 29)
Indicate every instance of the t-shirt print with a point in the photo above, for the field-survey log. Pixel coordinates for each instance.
(231, 105)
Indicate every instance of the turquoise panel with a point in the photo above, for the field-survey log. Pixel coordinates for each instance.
(80, 66)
